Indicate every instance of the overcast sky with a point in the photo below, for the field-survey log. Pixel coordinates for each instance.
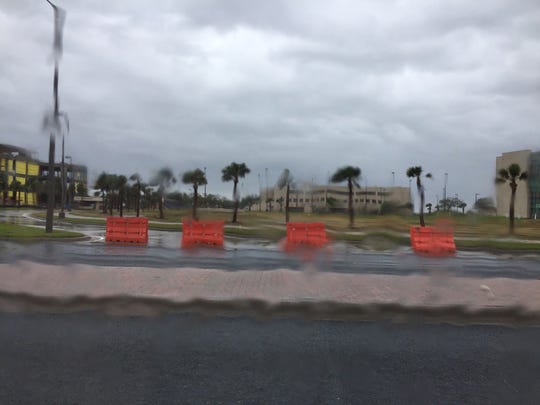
(305, 85)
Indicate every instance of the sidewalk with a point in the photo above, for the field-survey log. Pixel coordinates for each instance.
(274, 287)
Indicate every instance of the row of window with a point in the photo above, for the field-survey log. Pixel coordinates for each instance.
(361, 200)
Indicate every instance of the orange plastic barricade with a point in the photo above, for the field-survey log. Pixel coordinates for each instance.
(127, 230)
(311, 234)
(431, 241)
(202, 233)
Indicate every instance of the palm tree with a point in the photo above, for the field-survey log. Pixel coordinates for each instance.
(232, 173)
(4, 186)
(351, 175)
(164, 179)
(286, 180)
(416, 171)
(16, 187)
(112, 180)
(136, 177)
(31, 186)
(120, 185)
(196, 178)
(147, 196)
(102, 184)
(510, 175)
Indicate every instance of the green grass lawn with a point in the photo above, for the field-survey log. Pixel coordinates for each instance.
(467, 225)
(13, 231)
(383, 230)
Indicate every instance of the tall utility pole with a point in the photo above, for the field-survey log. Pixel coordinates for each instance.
(266, 190)
(260, 191)
(54, 126)
(70, 188)
(444, 190)
(62, 214)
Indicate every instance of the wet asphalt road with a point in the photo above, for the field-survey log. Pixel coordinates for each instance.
(164, 251)
(90, 358)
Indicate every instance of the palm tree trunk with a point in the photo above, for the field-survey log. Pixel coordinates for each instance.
(512, 202)
(160, 205)
(138, 201)
(235, 212)
(351, 210)
(422, 198)
(287, 205)
(195, 202)
(121, 192)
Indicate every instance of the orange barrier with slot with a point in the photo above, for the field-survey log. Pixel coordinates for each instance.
(306, 234)
(431, 241)
(202, 233)
(127, 230)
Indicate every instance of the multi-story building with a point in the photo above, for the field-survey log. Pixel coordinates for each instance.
(527, 202)
(19, 173)
(335, 198)
(22, 176)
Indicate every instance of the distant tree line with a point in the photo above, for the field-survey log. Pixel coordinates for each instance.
(119, 192)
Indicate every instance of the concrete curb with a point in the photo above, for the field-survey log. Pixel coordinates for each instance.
(126, 305)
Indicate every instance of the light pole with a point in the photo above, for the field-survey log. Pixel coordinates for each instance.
(393, 178)
(444, 189)
(62, 214)
(59, 17)
(70, 188)
(266, 189)
(260, 191)
(476, 197)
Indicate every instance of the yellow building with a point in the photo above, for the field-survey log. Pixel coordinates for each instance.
(23, 178)
(19, 174)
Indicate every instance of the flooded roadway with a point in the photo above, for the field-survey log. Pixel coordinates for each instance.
(163, 250)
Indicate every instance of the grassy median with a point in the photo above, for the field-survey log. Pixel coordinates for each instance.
(472, 232)
(14, 231)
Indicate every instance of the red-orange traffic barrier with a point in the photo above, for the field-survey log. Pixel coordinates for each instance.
(127, 230)
(431, 241)
(311, 234)
(202, 233)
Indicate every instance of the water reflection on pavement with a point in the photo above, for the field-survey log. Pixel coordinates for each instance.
(163, 250)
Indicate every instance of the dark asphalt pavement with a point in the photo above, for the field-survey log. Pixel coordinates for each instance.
(90, 358)
(250, 256)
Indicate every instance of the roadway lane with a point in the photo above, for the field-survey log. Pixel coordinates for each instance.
(89, 358)
(164, 251)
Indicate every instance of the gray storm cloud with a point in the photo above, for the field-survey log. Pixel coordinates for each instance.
(307, 85)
